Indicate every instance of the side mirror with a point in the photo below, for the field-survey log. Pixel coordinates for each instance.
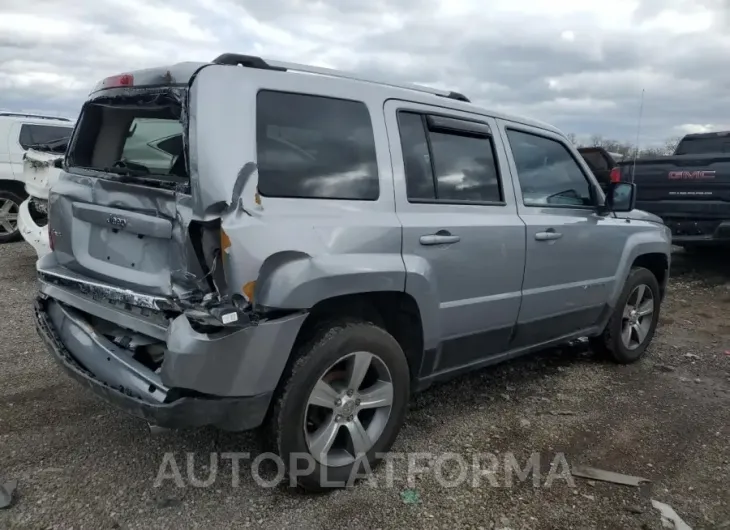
(621, 196)
(58, 163)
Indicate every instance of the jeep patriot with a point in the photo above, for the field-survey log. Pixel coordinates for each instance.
(248, 243)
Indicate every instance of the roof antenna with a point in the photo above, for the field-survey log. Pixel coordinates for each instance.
(638, 133)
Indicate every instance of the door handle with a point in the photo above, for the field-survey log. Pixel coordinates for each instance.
(548, 235)
(442, 237)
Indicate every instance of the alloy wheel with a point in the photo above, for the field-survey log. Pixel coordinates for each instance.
(637, 317)
(8, 217)
(348, 409)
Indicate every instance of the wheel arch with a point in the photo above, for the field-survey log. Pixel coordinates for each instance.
(396, 312)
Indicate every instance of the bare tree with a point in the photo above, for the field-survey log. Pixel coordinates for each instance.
(670, 144)
(626, 149)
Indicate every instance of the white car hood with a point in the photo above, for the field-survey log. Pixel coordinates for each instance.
(39, 174)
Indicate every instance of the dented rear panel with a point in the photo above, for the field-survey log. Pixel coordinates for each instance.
(121, 233)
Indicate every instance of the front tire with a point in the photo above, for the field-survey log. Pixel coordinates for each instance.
(634, 320)
(342, 405)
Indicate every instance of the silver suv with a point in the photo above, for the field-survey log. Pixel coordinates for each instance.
(309, 248)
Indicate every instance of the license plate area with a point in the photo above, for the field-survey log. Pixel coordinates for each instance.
(121, 244)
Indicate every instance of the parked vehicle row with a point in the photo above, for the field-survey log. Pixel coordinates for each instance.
(302, 252)
(689, 190)
(19, 134)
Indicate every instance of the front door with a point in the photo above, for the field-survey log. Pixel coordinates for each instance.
(572, 257)
(463, 241)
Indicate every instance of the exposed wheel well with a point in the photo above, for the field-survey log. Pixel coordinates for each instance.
(658, 264)
(396, 312)
(14, 186)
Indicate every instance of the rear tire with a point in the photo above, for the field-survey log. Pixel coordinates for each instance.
(309, 413)
(9, 208)
(628, 333)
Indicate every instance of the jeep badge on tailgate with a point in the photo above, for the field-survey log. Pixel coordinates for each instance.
(116, 221)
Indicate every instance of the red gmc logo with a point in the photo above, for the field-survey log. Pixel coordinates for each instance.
(691, 175)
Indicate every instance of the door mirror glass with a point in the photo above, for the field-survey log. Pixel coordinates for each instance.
(621, 196)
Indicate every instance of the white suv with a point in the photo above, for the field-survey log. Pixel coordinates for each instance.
(18, 133)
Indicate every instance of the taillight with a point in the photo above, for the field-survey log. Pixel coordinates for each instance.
(615, 175)
(225, 245)
(116, 81)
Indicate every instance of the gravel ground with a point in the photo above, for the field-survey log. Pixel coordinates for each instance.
(82, 464)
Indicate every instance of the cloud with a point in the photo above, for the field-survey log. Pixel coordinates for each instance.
(693, 128)
(580, 65)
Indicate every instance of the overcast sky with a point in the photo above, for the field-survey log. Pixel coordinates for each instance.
(579, 64)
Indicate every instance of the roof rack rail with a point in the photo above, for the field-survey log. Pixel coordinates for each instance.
(252, 61)
(30, 115)
(249, 61)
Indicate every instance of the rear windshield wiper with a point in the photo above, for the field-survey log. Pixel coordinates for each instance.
(59, 144)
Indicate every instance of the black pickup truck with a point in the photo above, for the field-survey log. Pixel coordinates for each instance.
(689, 190)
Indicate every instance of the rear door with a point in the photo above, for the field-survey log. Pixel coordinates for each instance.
(572, 252)
(460, 227)
(16, 150)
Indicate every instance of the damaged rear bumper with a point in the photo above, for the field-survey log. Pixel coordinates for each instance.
(199, 379)
(58, 325)
(35, 235)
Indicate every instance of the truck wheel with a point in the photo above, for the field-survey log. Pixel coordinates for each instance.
(342, 405)
(634, 320)
(9, 207)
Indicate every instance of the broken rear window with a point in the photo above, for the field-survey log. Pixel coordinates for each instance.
(135, 140)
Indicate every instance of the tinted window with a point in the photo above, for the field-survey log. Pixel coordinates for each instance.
(315, 147)
(31, 135)
(463, 162)
(465, 168)
(548, 174)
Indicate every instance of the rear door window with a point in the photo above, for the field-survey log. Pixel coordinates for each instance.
(448, 160)
(315, 147)
(35, 135)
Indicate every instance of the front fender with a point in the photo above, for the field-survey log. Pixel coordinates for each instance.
(639, 244)
(294, 280)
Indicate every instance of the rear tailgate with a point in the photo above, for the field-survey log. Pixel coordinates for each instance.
(116, 232)
(120, 213)
(693, 177)
(690, 192)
